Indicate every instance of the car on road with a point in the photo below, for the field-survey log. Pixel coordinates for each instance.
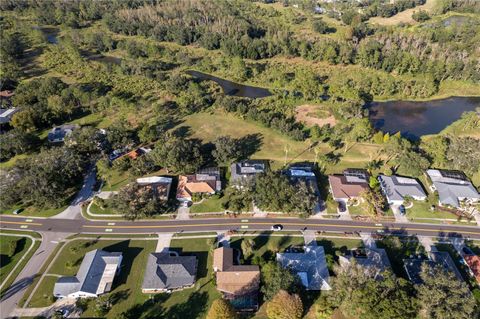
(277, 227)
(17, 211)
(402, 209)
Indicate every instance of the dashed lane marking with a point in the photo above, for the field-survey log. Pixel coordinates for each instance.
(29, 220)
(111, 224)
(19, 223)
(244, 226)
(108, 230)
(24, 226)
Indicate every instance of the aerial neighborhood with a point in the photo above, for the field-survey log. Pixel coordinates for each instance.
(246, 159)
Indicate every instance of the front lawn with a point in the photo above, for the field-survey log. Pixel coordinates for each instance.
(421, 209)
(12, 248)
(212, 204)
(127, 284)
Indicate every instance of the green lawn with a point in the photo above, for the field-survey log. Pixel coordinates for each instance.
(421, 209)
(127, 284)
(35, 211)
(107, 210)
(8, 262)
(115, 179)
(44, 294)
(211, 204)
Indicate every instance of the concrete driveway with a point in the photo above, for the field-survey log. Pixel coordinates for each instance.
(398, 216)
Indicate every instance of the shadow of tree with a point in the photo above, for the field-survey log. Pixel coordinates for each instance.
(249, 145)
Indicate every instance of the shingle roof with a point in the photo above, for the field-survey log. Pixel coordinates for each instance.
(341, 188)
(91, 276)
(443, 258)
(397, 187)
(169, 272)
(450, 189)
(311, 266)
(246, 169)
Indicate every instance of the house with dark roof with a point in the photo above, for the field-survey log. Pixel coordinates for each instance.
(396, 188)
(413, 267)
(238, 283)
(374, 260)
(349, 185)
(242, 172)
(310, 266)
(159, 184)
(94, 277)
(453, 187)
(166, 272)
(58, 133)
(205, 181)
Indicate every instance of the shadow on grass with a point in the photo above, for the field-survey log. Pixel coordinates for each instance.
(129, 255)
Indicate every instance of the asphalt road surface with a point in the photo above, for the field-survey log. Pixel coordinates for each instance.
(239, 224)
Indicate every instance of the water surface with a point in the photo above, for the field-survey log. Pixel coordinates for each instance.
(232, 88)
(415, 119)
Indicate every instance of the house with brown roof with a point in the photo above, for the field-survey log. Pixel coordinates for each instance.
(349, 185)
(473, 263)
(238, 283)
(205, 181)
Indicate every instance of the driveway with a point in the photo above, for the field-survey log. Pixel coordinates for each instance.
(398, 216)
(183, 213)
(368, 240)
(74, 211)
(13, 294)
(163, 243)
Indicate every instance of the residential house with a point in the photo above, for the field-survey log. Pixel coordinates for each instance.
(58, 133)
(166, 272)
(374, 260)
(303, 173)
(413, 267)
(94, 277)
(310, 266)
(349, 185)
(396, 188)
(473, 263)
(452, 187)
(161, 185)
(246, 170)
(7, 114)
(238, 283)
(205, 181)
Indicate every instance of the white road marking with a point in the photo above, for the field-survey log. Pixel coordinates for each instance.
(244, 226)
(108, 230)
(24, 226)
(111, 224)
(54, 242)
(244, 220)
(29, 220)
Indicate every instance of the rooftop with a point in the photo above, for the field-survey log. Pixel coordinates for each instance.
(343, 188)
(452, 186)
(165, 271)
(397, 187)
(375, 260)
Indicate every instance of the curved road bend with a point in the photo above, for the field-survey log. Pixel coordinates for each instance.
(219, 224)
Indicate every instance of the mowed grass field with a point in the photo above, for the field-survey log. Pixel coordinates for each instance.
(406, 15)
(7, 262)
(208, 126)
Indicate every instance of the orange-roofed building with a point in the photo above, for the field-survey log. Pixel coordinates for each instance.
(205, 181)
(473, 262)
(238, 283)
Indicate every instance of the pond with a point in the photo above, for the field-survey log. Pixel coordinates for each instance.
(415, 119)
(49, 33)
(232, 88)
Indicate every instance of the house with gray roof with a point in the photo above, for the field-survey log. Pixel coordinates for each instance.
(374, 260)
(246, 170)
(413, 267)
(453, 187)
(94, 277)
(166, 272)
(396, 188)
(310, 266)
(58, 133)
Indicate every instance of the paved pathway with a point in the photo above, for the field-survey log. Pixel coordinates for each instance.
(368, 240)
(398, 216)
(223, 239)
(183, 213)
(13, 295)
(309, 237)
(163, 243)
(59, 305)
(427, 242)
(106, 194)
(74, 211)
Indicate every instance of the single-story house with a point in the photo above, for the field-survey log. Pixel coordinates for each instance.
(246, 170)
(205, 181)
(58, 133)
(349, 185)
(413, 267)
(167, 272)
(161, 185)
(310, 266)
(303, 173)
(473, 263)
(7, 114)
(374, 260)
(396, 188)
(238, 283)
(94, 277)
(452, 187)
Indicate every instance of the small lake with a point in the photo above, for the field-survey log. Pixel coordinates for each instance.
(232, 88)
(415, 119)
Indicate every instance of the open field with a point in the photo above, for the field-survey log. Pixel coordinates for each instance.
(7, 261)
(404, 16)
(314, 114)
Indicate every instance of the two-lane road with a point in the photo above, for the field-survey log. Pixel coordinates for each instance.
(223, 224)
